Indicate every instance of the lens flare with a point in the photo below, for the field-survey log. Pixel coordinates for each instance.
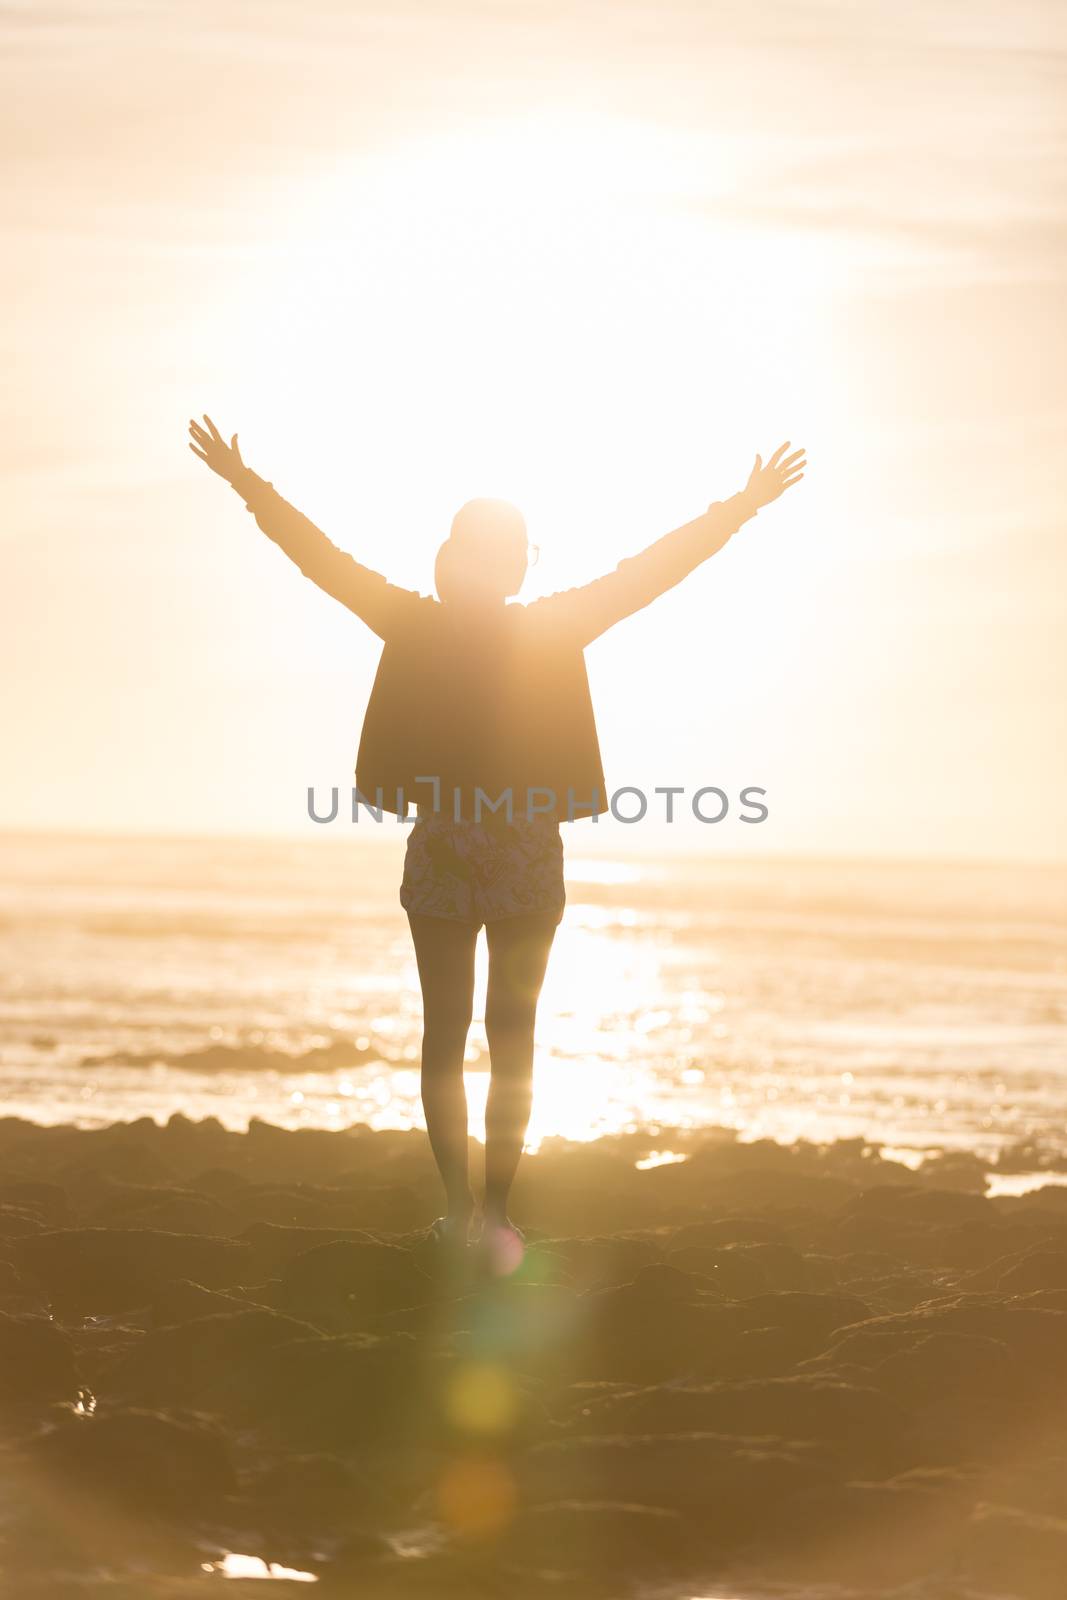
(476, 1497)
(482, 1399)
(504, 1251)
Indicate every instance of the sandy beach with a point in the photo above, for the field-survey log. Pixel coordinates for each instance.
(756, 1370)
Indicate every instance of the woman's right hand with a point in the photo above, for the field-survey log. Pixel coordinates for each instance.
(210, 446)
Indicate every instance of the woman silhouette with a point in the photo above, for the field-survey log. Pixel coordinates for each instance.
(481, 715)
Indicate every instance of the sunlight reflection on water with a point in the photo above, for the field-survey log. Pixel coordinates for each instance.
(237, 1566)
(784, 1000)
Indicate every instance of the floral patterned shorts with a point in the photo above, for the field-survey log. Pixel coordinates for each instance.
(484, 871)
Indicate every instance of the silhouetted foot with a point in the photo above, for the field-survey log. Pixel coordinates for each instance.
(451, 1232)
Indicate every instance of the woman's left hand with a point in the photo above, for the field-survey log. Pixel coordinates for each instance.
(766, 483)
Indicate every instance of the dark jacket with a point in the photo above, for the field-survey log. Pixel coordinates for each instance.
(495, 702)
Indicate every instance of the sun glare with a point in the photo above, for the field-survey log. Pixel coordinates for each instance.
(507, 311)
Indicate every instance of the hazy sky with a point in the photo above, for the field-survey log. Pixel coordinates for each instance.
(589, 256)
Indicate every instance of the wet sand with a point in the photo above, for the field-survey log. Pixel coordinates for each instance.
(760, 1370)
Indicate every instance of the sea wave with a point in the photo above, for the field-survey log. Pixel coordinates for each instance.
(336, 1055)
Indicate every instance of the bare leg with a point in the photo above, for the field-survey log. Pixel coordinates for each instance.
(444, 951)
(518, 956)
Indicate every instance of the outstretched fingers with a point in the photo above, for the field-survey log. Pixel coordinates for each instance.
(790, 469)
(206, 442)
(783, 469)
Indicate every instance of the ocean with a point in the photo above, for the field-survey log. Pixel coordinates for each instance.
(917, 1006)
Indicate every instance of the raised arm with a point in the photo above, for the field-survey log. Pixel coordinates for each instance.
(636, 582)
(378, 603)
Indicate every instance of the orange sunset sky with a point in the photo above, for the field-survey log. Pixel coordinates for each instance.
(589, 257)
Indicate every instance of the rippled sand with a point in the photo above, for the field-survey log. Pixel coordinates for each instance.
(761, 1370)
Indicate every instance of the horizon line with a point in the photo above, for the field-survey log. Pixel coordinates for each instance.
(103, 833)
